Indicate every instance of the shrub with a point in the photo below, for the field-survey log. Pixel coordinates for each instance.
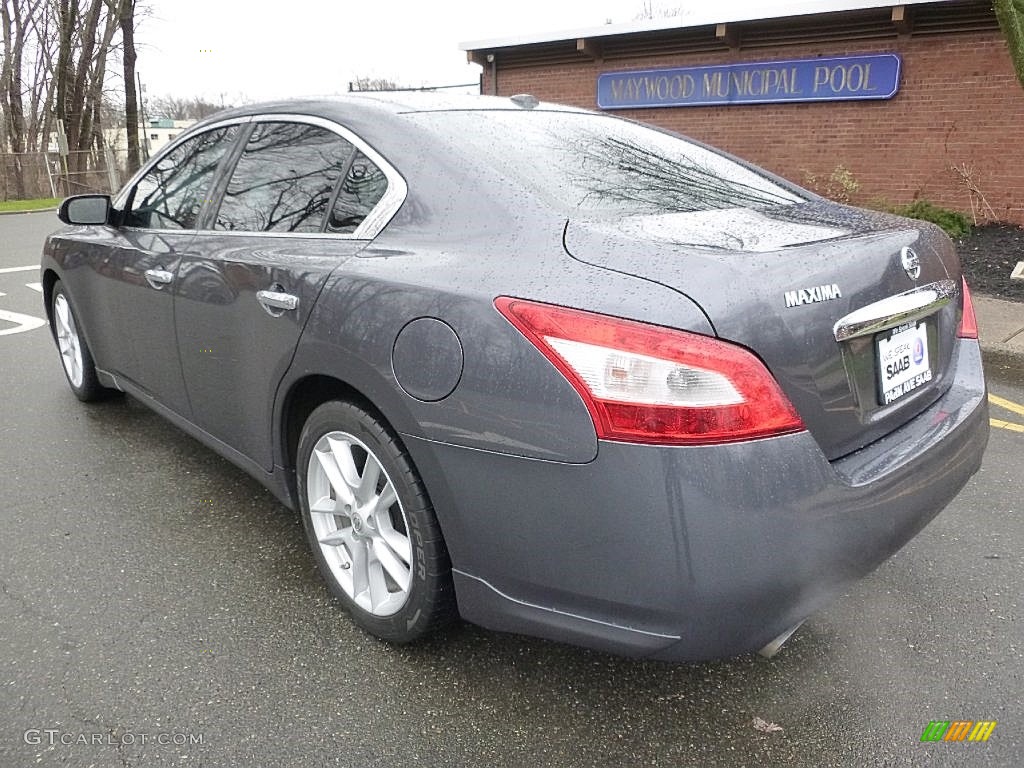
(955, 224)
(841, 185)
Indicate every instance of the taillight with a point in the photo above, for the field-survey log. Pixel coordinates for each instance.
(648, 384)
(968, 322)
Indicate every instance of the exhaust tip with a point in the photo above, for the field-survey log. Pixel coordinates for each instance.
(776, 645)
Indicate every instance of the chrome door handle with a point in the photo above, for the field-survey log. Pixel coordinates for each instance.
(276, 302)
(158, 277)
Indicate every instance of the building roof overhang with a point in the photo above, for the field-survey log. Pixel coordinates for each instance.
(711, 28)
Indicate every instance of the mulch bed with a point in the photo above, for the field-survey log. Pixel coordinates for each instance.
(988, 255)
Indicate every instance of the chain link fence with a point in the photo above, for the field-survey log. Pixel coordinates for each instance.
(32, 175)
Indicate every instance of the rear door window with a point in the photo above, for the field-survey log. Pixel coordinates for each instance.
(172, 193)
(284, 179)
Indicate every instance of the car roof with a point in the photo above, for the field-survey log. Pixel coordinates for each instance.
(381, 103)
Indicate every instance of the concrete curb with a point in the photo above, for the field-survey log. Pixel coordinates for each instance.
(34, 210)
(1000, 327)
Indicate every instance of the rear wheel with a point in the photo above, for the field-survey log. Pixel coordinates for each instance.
(370, 524)
(74, 352)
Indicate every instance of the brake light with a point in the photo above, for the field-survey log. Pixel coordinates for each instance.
(647, 384)
(968, 321)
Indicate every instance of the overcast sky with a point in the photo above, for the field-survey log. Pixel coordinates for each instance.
(258, 51)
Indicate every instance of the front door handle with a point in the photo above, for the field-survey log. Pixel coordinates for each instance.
(277, 302)
(158, 277)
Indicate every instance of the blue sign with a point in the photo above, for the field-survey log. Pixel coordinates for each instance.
(844, 78)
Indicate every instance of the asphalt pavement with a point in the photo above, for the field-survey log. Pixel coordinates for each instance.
(159, 608)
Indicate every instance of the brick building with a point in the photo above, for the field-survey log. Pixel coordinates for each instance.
(951, 131)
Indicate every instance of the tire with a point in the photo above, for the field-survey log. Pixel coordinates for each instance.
(75, 357)
(385, 562)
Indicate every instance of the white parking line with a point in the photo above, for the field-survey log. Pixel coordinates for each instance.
(18, 269)
(34, 286)
(24, 322)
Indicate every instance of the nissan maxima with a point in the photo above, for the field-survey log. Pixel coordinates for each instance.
(552, 371)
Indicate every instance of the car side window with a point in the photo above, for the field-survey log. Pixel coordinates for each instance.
(363, 187)
(171, 193)
(284, 179)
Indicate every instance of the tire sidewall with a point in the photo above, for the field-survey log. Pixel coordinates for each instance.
(412, 619)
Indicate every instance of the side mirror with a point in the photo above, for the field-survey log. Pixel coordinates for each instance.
(85, 209)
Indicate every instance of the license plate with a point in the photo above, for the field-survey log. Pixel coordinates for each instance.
(903, 362)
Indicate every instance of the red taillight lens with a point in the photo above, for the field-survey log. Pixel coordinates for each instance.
(648, 384)
(968, 322)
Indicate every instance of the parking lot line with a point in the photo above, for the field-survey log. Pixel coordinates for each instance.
(21, 322)
(19, 269)
(1009, 405)
(1006, 425)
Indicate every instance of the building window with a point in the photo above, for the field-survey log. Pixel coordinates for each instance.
(154, 136)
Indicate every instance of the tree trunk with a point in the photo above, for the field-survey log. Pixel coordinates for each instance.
(14, 21)
(91, 102)
(126, 18)
(78, 113)
(68, 18)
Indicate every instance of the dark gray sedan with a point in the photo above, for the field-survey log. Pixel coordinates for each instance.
(552, 371)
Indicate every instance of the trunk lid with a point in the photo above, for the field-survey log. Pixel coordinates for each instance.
(778, 281)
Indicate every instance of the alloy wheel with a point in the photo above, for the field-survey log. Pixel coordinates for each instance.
(68, 341)
(359, 523)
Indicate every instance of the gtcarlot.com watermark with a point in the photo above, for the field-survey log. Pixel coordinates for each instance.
(52, 737)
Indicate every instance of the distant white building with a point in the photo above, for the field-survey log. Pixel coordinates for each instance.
(153, 135)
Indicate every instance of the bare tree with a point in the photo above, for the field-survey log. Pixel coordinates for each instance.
(41, 91)
(54, 67)
(177, 108)
(73, 108)
(363, 83)
(650, 12)
(15, 19)
(126, 21)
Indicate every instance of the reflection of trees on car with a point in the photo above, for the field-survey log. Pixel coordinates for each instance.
(363, 187)
(609, 168)
(179, 182)
(284, 179)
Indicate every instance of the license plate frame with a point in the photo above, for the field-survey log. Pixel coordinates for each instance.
(903, 360)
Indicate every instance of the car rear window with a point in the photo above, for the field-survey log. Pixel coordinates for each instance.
(606, 167)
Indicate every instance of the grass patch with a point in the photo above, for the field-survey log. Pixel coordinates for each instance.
(29, 205)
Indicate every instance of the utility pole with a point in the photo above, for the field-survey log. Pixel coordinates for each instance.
(142, 118)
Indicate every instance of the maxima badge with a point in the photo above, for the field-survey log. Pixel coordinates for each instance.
(812, 295)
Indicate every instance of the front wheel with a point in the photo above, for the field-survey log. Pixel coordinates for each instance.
(74, 352)
(370, 524)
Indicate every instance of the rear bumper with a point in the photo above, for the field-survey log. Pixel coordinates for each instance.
(693, 553)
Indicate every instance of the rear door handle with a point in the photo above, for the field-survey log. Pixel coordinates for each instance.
(277, 302)
(158, 277)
